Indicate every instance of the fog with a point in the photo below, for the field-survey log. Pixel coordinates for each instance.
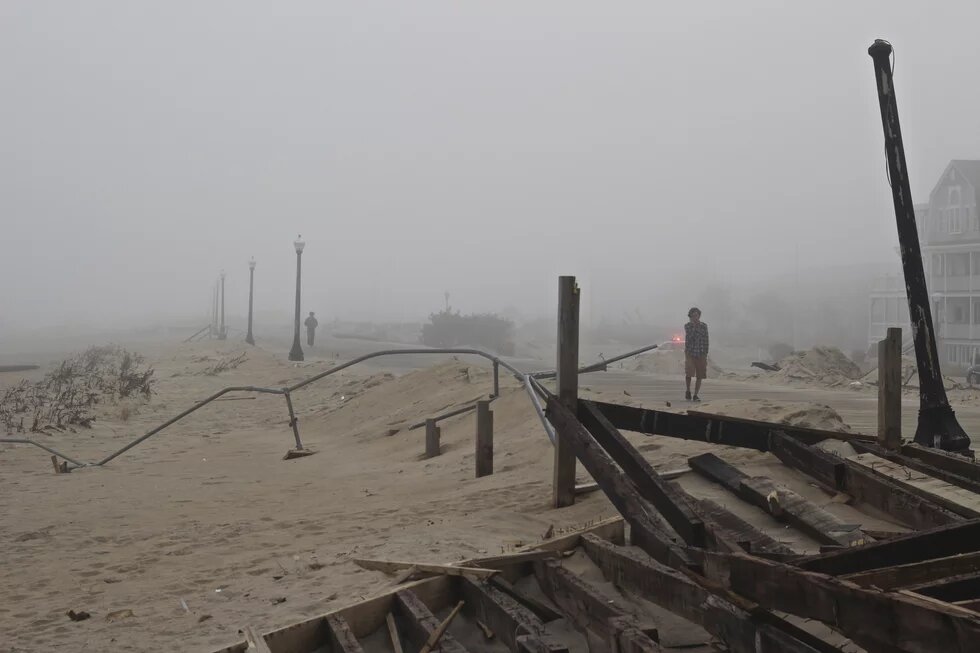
(656, 150)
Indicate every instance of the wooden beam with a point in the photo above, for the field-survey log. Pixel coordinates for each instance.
(420, 624)
(396, 640)
(721, 613)
(919, 466)
(392, 566)
(951, 462)
(563, 486)
(342, 640)
(621, 491)
(916, 573)
(962, 537)
(872, 489)
(823, 467)
(717, 429)
(661, 494)
(255, 643)
(507, 618)
(542, 610)
(890, 390)
(606, 627)
(783, 504)
(961, 587)
(873, 619)
(749, 538)
(484, 439)
(955, 499)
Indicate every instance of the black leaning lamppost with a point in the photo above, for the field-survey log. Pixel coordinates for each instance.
(222, 332)
(296, 353)
(937, 426)
(251, 285)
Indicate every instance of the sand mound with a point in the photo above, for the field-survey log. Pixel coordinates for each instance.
(664, 361)
(795, 413)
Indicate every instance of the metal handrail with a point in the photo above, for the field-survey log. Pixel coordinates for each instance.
(529, 382)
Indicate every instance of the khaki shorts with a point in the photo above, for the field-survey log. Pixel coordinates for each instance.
(695, 366)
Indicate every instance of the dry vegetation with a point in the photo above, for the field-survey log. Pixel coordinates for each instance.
(67, 395)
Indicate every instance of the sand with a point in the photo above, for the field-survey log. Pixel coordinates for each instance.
(664, 361)
(207, 515)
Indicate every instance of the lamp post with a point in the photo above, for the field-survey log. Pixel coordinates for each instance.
(251, 285)
(296, 353)
(222, 332)
(938, 426)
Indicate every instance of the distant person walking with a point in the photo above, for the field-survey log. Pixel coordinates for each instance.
(311, 325)
(695, 352)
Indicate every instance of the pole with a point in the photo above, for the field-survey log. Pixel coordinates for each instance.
(937, 425)
(484, 439)
(432, 448)
(251, 286)
(222, 333)
(890, 390)
(296, 353)
(563, 490)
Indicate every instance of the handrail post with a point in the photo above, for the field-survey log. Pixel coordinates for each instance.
(496, 378)
(484, 439)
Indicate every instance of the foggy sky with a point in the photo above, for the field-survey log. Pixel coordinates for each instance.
(480, 148)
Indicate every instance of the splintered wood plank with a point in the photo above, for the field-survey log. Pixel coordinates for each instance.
(342, 640)
(745, 534)
(420, 624)
(505, 617)
(605, 626)
(919, 466)
(621, 491)
(956, 499)
(961, 465)
(783, 504)
(392, 566)
(396, 640)
(724, 615)
(660, 493)
(916, 573)
(892, 499)
(875, 620)
(953, 539)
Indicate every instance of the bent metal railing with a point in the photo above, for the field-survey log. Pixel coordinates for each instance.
(529, 382)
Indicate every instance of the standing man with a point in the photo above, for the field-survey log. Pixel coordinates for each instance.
(695, 352)
(311, 325)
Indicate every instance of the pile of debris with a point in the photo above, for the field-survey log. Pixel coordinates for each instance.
(826, 366)
(910, 376)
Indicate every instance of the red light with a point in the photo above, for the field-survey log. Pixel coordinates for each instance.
(677, 338)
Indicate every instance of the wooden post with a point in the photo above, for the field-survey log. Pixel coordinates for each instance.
(432, 433)
(890, 390)
(563, 492)
(484, 439)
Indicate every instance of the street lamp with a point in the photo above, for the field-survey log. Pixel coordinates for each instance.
(296, 353)
(251, 285)
(222, 332)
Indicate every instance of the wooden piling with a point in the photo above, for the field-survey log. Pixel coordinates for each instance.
(484, 439)
(432, 433)
(563, 491)
(890, 390)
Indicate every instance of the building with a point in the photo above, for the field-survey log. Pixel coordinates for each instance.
(949, 235)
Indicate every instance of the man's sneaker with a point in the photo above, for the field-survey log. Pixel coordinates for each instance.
(687, 395)
(696, 398)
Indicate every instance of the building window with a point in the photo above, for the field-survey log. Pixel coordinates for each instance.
(954, 211)
(878, 311)
(937, 264)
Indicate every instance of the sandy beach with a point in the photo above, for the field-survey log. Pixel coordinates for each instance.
(205, 529)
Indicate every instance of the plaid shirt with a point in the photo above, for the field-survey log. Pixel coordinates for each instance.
(696, 339)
